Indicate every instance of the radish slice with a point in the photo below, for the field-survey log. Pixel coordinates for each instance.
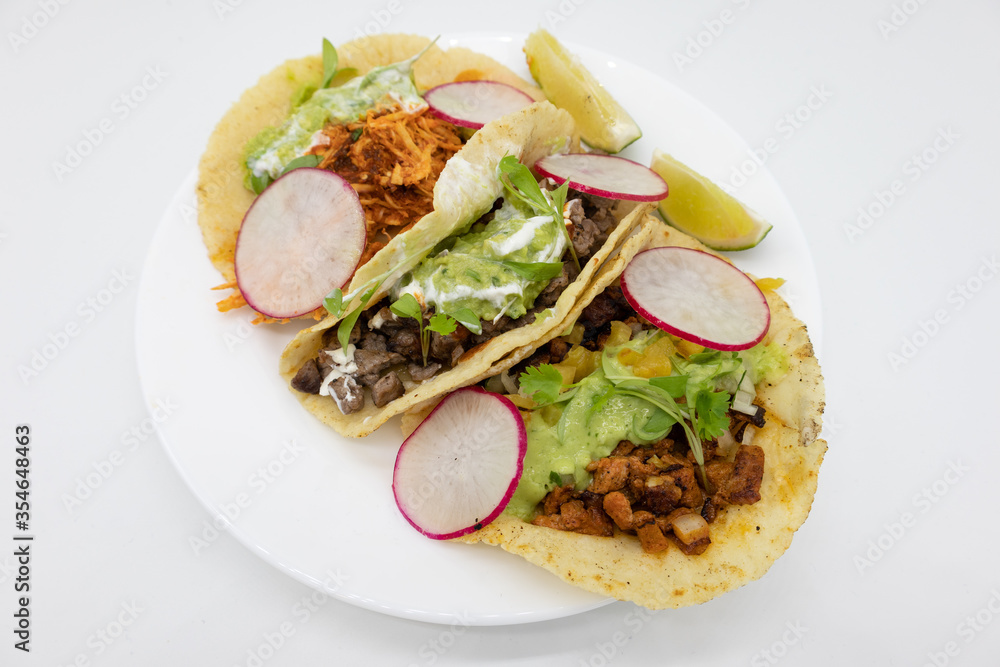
(301, 238)
(697, 296)
(475, 103)
(458, 470)
(604, 175)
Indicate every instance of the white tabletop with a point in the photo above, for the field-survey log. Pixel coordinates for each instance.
(877, 120)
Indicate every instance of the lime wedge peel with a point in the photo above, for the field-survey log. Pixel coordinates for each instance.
(603, 123)
(700, 208)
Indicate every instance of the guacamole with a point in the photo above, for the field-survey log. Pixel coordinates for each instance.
(274, 147)
(472, 270)
(603, 410)
(579, 435)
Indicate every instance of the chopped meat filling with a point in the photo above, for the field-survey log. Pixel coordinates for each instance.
(646, 490)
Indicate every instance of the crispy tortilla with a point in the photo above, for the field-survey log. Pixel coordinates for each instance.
(222, 197)
(467, 188)
(746, 539)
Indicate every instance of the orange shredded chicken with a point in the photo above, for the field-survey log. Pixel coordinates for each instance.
(392, 159)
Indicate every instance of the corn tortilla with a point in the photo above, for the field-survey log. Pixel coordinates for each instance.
(746, 539)
(222, 197)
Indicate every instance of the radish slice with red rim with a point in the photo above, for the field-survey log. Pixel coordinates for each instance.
(697, 296)
(608, 176)
(302, 237)
(458, 470)
(475, 103)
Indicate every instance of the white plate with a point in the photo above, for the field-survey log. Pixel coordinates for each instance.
(319, 506)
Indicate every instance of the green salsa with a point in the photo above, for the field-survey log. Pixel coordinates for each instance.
(587, 422)
(274, 147)
(472, 270)
(580, 435)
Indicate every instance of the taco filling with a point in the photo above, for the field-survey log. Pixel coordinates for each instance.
(376, 132)
(632, 430)
(503, 272)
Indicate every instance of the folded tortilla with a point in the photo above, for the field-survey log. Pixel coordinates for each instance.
(746, 539)
(223, 199)
(467, 188)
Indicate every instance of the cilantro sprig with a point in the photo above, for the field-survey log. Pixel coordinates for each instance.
(544, 384)
(522, 186)
(441, 323)
(688, 399)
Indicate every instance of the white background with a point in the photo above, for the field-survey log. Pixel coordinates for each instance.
(897, 562)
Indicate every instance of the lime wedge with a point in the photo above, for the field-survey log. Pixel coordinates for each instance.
(602, 121)
(700, 208)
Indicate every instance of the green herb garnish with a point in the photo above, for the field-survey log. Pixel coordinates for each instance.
(468, 319)
(543, 384)
(518, 181)
(259, 183)
(330, 61)
(309, 161)
(689, 399)
(408, 306)
(347, 324)
(535, 271)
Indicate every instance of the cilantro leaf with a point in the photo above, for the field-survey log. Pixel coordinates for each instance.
(469, 320)
(711, 413)
(542, 383)
(259, 183)
(334, 302)
(347, 324)
(442, 324)
(536, 271)
(675, 385)
(407, 306)
(330, 61)
(518, 181)
(302, 161)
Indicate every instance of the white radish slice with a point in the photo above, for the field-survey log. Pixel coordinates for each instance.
(301, 238)
(697, 296)
(459, 468)
(604, 175)
(475, 103)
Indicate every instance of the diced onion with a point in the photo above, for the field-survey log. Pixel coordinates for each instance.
(690, 528)
(743, 402)
(727, 444)
(508, 382)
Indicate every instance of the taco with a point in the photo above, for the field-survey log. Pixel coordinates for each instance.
(433, 313)
(369, 124)
(613, 497)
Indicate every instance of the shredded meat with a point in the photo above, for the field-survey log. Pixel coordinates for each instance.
(392, 159)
